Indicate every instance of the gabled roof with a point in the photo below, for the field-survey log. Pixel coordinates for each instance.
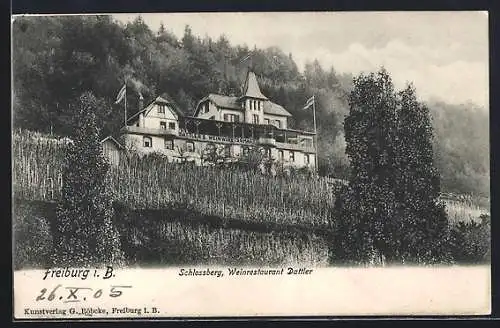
(275, 109)
(251, 87)
(163, 99)
(229, 102)
(166, 99)
(233, 103)
(110, 138)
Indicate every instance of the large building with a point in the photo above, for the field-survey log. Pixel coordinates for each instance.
(231, 124)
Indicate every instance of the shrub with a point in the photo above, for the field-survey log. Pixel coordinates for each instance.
(470, 241)
(33, 241)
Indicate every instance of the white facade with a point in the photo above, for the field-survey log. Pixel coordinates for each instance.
(208, 110)
(156, 129)
(278, 121)
(158, 115)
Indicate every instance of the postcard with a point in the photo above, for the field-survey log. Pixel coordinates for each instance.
(270, 164)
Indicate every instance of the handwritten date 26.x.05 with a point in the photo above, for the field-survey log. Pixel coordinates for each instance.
(78, 294)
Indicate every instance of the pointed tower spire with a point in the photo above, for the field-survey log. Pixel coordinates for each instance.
(251, 87)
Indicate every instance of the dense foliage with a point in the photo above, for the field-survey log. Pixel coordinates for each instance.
(85, 231)
(56, 59)
(391, 206)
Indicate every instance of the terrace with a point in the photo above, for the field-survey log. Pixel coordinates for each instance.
(244, 133)
(150, 131)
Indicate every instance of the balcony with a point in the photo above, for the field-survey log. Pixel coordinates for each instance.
(267, 141)
(296, 147)
(150, 131)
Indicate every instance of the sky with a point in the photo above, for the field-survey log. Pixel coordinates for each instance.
(444, 54)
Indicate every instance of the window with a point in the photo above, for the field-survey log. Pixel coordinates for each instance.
(245, 151)
(280, 155)
(292, 156)
(169, 143)
(147, 142)
(227, 151)
(278, 124)
(207, 109)
(306, 159)
(163, 125)
(190, 146)
(255, 119)
(266, 120)
(171, 125)
(212, 117)
(161, 109)
(231, 118)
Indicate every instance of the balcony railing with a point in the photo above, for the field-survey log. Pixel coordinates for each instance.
(267, 141)
(151, 131)
(299, 147)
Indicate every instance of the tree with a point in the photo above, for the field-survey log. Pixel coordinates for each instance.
(390, 207)
(86, 235)
(418, 182)
(367, 202)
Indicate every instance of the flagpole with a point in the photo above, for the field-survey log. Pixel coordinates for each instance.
(125, 103)
(315, 136)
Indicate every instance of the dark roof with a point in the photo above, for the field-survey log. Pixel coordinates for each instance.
(233, 103)
(251, 87)
(229, 102)
(275, 109)
(166, 99)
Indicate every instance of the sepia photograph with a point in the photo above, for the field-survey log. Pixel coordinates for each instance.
(250, 164)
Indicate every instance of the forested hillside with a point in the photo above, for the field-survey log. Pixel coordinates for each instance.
(56, 59)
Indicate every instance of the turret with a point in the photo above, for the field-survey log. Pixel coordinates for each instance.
(252, 100)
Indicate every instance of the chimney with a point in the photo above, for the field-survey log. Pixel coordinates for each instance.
(141, 101)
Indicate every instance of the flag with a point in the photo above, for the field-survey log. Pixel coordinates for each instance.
(121, 94)
(309, 102)
(246, 57)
